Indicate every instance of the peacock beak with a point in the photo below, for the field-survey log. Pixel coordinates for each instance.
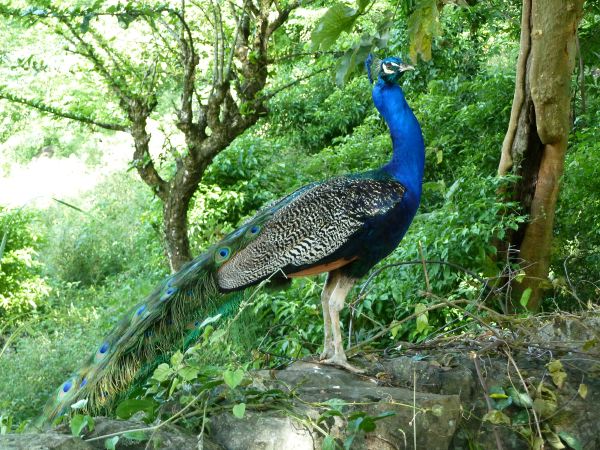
(404, 67)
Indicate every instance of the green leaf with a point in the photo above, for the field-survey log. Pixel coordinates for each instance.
(111, 443)
(525, 297)
(570, 440)
(329, 443)
(85, 24)
(348, 441)
(367, 424)
(352, 59)
(188, 373)
(543, 407)
(336, 403)
(521, 399)
(587, 346)
(553, 440)
(439, 156)
(124, 20)
(384, 414)
(79, 422)
(136, 435)
(337, 19)
(422, 318)
(362, 5)
(233, 378)
(496, 417)
(129, 407)
(583, 390)
(329, 413)
(557, 372)
(162, 372)
(239, 410)
(423, 26)
(496, 392)
(177, 358)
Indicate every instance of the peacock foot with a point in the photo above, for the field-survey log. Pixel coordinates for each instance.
(340, 361)
(327, 353)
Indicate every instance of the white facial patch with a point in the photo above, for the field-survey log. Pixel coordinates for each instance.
(386, 70)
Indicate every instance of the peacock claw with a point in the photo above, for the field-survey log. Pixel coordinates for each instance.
(341, 362)
(326, 354)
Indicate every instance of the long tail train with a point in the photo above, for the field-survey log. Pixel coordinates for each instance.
(149, 331)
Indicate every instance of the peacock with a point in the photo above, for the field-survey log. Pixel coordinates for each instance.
(342, 226)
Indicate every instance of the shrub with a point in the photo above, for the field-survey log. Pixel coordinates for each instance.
(116, 230)
(22, 289)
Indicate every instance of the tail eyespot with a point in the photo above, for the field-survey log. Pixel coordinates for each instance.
(222, 254)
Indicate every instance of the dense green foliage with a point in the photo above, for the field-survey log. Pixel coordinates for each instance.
(69, 273)
(21, 287)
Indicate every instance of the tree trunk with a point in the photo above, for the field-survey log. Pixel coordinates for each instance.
(536, 141)
(175, 229)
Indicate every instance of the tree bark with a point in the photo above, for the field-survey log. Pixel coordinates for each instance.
(536, 141)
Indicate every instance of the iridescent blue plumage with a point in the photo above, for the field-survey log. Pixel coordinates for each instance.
(342, 226)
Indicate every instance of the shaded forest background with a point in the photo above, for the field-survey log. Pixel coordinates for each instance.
(74, 260)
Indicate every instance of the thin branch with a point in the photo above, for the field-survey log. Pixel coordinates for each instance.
(475, 358)
(61, 113)
(273, 93)
(535, 417)
(234, 42)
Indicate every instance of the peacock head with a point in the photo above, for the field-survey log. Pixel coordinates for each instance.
(389, 70)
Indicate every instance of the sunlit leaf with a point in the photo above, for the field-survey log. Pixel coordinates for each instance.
(423, 26)
(111, 443)
(129, 407)
(79, 422)
(328, 443)
(339, 18)
(136, 435)
(233, 378)
(583, 390)
(570, 440)
(496, 417)
(525, 297)
(521, 399)
(557, 372)
(239, 410)
(553, 440)
(422, 318)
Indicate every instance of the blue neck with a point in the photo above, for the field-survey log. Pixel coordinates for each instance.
(408, 161)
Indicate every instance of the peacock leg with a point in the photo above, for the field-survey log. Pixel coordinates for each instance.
(336, 304)
(325, 295)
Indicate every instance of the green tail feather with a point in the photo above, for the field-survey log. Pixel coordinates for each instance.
(170, 318)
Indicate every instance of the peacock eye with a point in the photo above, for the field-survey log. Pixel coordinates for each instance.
(223, 253)
(103, 348)
(67, 386)
(254, 229)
